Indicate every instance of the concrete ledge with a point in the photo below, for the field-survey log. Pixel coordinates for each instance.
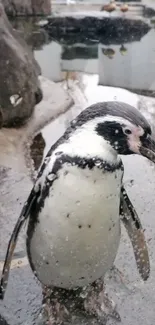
(14, 142)
(55, 102)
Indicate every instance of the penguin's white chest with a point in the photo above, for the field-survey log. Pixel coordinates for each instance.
(78, 231)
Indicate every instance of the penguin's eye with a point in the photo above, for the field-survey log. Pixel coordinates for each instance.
(147, 135)
(127, 131)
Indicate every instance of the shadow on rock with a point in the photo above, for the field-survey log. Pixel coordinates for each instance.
(3, 321)
(37, 150)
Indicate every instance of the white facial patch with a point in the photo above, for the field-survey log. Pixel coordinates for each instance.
(85, 142)
(134, 142)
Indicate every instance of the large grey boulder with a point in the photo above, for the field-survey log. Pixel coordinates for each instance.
(30, 30)
(19, 85)
(27, 7)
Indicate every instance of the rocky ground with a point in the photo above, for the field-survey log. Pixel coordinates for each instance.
(27, 8)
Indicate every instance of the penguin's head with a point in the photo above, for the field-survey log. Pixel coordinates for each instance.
(122, 126)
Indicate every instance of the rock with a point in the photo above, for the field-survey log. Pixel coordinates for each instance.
(19, 84)
(31, 32)
(42, 7)
(56, 101)
(27, 7)
(1, 119)
(149, 12)
(90, 28)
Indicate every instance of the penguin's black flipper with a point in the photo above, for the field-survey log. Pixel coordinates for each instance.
(13, 240)
(135, 232)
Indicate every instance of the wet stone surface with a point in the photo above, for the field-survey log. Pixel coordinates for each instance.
(135, 299)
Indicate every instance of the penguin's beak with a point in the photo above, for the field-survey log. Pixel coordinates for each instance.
(147, 148)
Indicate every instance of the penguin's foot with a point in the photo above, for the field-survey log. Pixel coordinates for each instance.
(98, 304)
(54, 311)
(60, 305)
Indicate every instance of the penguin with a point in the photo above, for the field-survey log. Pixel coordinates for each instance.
(123, 50)
(124, 8)
(109, 52)
(110, 7)
(75, 208)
